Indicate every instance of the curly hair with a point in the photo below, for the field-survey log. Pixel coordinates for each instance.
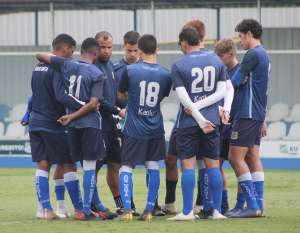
(250, 25)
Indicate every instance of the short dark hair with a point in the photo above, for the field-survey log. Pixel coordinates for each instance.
(89, 45)
(105, 34)
(190, 36)
(250, 25)
(131, 37)
(198, 25)
(63, 39)
(147, 44)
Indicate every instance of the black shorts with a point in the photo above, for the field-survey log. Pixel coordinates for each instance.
(113, 142)
(225, 141)
(246, 133)
(138, 151)
(193, 142)
(52, 147)
(224, 149)
(86, 144)
(172, 143)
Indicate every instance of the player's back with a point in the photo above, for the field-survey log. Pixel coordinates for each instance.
(45, 108)
(200, 71)
(148, 84)
(81, 77)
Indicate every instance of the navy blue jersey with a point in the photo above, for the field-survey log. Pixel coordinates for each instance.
(84, 81)
(238, 94)
(109, 99)
(47, 95)
(147, 84)
(256, 66)
(198, 73)
(119, 68)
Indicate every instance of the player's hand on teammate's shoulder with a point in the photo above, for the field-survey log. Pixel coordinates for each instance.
(65, 120)
(122, 112)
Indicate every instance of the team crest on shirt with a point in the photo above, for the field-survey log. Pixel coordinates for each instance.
(234, 135)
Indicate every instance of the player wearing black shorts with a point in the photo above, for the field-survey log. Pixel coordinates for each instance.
(48, 139)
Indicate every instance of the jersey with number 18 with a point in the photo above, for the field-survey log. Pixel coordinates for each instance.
(147, 84)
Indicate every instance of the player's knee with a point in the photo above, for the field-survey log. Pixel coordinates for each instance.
(113, 167)
(43, 165)
(69, 168)
(189, 163)
(171, 162)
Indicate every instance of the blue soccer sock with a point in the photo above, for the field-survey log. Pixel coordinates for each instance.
(206, 195)
(42, 188)
(201, 181)
(59, 189)
(89, 183)
(72, 185)
(224, 206)
(126, 186)
(258, 182)
(245, 182)
(153, 184)
(97, 202)
(215, 184)
(187, 186)
(240, 200)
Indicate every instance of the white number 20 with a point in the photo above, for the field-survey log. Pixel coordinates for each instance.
(208, 74)
(152, 93)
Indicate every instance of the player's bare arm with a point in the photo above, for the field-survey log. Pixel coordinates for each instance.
(89, 107)
(44, 57)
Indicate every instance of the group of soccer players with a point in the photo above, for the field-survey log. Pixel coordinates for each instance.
(76, 105)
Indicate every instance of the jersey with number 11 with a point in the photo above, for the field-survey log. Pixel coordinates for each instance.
(198, 72)
(146, 84)
(80, 78)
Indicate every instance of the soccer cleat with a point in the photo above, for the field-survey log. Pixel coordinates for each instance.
(183, 217)
(119, 211)
(217, 215)
(212, 214)
(157, 211)
(49, 215)
(106, 215)
(248, 213)
(62, 212)
(169, 209)
(81, 216)
(127, 216)
(146, 216)
(197, 209)
(233, 211)
(39, 211)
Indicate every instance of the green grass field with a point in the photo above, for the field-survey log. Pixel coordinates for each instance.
(18, 206)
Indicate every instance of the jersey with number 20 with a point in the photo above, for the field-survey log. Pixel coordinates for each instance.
(198, 72)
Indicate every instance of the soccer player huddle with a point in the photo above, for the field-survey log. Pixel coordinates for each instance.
(76, 106)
